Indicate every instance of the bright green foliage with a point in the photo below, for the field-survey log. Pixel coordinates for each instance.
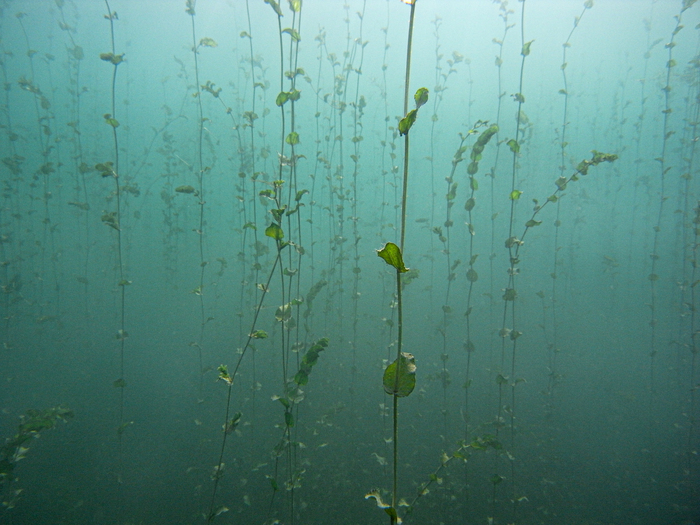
(293, 33)
(282, 98)
(421, 97)
(400, 376)
(392, 256)
(274, 231)
(292, 139)
(275, 6)
(407, 122)
(526, 48)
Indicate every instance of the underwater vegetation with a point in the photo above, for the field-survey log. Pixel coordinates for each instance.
(298, 262)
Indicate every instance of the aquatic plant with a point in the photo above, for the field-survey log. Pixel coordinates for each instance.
(201, 171)
(15, 448)
(508, 329)
(664, 168)
(81, 199)
(553, 345)
(110, 169)
(400, 376)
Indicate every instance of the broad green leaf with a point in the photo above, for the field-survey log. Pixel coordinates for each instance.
(486, 135)
(295, 5)
(292, 139)
(274, 231)
(526, 48)
(421, 97)
(293, 33)
(532, 222)
(407, 122)
(282, 98)
(513, 145)
(515, 195)
(275, 6)
(392, 256)
(472, 276)
(469, 205)
(400, 376)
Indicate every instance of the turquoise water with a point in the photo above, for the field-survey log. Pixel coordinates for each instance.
(194, 196)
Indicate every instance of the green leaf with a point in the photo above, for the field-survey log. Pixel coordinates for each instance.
(301, 378)
(472, 276)
(208, 42)
(513, 145)
(526, 48)
(292, 139)
(407, 122)
(275, 6)
(274, 231)
(469, 205)
(392, 256)
(515, 195)
(289, 419)
(282, 98)
(532, 222)
(400, 376)
(293, 33)
(421, 97)
(295, 5)
(259, 334)
(185, 189)
(510, 294)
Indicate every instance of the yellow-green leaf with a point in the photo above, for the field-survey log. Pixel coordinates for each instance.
(392, 256)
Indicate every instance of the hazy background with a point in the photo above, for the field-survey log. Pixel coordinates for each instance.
(601, 433)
